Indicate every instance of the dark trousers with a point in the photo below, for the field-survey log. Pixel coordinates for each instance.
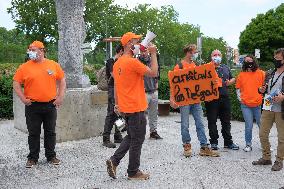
(222, 108)
(111, 115)
(136, 130)
(36, 114)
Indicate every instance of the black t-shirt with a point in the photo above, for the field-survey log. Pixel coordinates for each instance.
(109, 66)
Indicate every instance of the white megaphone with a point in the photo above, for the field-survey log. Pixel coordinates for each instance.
(145, 43)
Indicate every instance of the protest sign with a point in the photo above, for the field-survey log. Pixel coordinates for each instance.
(191, 86)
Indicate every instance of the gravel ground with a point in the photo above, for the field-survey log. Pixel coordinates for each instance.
(83, 163)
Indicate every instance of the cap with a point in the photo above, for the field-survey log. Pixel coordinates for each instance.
(37, 44)
(128, 36)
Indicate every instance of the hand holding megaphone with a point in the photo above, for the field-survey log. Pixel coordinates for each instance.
(152, 49)
(145, 43)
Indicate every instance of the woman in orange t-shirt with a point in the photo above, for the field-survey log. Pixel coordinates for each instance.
(248, 82)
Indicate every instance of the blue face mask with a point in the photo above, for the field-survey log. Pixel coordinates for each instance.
(217, 59)
(32, 55)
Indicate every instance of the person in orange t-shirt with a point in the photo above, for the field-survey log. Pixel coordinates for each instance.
(131, 102)
(41, 97)
(248, 81)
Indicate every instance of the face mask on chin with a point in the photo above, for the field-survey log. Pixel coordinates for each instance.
(277, 63)
(194, 57)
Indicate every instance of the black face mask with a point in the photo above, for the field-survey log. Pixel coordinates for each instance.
(277, 63)
(249, 64)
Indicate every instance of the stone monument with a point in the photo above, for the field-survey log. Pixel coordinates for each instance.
(83, 111)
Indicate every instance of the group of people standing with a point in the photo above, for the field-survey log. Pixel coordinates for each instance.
(132, 90)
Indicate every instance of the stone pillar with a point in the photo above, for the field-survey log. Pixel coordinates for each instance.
(71, 29)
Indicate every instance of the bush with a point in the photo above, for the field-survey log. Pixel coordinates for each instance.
(7, 71)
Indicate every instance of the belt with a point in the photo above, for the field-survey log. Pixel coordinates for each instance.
(130, 114)
(36, 102)
(151, 91)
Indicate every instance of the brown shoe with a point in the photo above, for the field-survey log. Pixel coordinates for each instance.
(139, 176)
(187, 151)
(30, 163)
(277, 166)
(205, 151)
(54, 161)
(262, 161)
(111, 169)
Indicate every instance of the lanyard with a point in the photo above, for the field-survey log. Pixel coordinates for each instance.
(273, 83)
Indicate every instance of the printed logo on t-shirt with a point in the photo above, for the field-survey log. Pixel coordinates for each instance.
(50, 72)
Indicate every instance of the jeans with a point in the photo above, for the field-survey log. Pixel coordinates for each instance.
(36, 114)
(196, 111)
(111, 116)
(249, 113)
(132, 142)
(222, 108)
(152, 99)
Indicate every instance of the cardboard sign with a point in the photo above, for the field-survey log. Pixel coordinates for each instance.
(191, 86)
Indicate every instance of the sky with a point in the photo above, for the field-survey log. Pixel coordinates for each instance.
(216, 18)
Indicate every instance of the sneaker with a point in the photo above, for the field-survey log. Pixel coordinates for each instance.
(139, 176)
(277, 166)
(205, 151)
(54, 161)
(248, 148)
(155, 135)
(187, 150)
(30, 163)
(109, 144)
(232, 146)
(214, 147)
(262, 161)
(111, 169)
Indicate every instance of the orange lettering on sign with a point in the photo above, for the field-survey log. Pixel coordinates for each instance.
(191, 86)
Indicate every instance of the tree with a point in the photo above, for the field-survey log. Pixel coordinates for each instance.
(265, 32)
(13, 46)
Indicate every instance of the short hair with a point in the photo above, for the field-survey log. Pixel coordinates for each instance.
(118, 48)
(254, 66)
(216, 50)
(279, 51)
(189, 48)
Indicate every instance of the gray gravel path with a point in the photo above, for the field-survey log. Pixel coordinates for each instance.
(83, 163)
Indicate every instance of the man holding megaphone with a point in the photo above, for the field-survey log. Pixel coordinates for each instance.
(131, 102)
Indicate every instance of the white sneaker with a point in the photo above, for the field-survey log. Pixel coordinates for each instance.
(248, 148)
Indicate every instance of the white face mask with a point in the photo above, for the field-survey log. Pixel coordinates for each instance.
(217, 59)
(136, 49)
(32, 55)
(194, 56)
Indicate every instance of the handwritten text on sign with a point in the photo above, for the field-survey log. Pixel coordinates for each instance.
(191, 86)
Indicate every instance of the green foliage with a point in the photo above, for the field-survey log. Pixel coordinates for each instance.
(6, 97)
(6, 89)
(265, 32)
(104, 19)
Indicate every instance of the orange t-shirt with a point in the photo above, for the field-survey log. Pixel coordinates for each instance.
(39, 79)
(185, 65)
(248, 83)
(128, 76)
